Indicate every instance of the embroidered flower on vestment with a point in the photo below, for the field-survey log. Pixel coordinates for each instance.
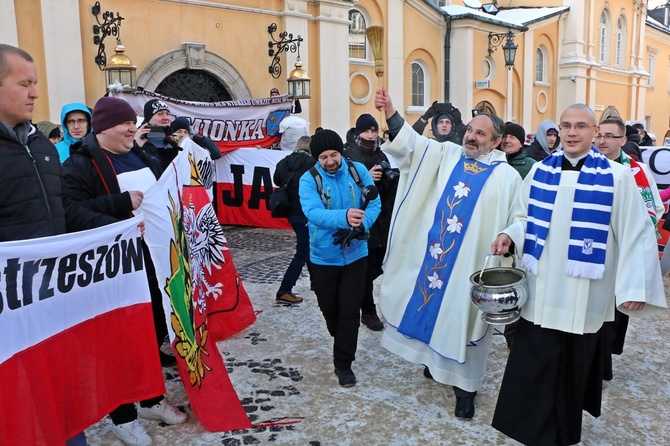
(435, 250)
(462, 190)
(435, 281)
(455, 224)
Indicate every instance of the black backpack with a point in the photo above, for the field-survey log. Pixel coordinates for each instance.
(319, 181)
(279, 203)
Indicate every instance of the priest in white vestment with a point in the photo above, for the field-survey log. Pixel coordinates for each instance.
(588, 238)
(452, 202)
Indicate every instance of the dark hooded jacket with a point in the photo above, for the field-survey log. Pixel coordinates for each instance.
(288, 171)
(457, 126)
(387, 186)
(539, 148)
(632, 145)
(30, 185)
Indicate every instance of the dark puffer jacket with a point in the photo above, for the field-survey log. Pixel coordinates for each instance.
(296, 164)
(91, 193)
(30, 186)
(387, 186)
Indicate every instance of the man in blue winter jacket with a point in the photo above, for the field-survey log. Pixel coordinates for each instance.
(76, 121)
(338, 217)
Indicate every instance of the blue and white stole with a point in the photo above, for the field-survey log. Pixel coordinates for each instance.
(591, 213)
(452, 217)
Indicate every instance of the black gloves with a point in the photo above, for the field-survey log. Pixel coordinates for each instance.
(430, 112)
(344, 237)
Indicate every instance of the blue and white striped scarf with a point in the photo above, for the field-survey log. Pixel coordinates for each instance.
(591, 214)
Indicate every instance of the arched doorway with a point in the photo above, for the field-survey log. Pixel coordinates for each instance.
(193, 85)
(193, 65)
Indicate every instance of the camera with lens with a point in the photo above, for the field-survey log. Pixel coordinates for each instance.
(158, 132)
(388, 172)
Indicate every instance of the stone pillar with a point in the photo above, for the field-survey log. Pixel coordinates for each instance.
(8, 31)
(332, 95)
(64, 64)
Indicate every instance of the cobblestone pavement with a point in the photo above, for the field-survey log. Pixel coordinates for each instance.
(281, 367)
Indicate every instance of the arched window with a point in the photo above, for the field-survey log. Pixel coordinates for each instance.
(485, 107)
(540, 65)
(620, 52)
(604, 37)
(418, 85)
(357, 38)
(610, 112)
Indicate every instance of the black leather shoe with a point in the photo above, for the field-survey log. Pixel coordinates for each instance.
(372, 321)
(465, 407)
(426, 372)
(345, 376)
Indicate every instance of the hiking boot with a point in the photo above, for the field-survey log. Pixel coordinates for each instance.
(167, 360)
(288, 298)
(132, 433)
(372, 321)
(163, 411)
(345, 376)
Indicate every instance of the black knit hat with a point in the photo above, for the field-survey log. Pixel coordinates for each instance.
(152, 107)
(515, 130)
(366, 122)
(325, 140)
(110, 112)
(180, 123)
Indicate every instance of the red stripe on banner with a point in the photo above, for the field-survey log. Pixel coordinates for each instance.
(54, 390)
(214, 402)
(265, 143)
(235, 210)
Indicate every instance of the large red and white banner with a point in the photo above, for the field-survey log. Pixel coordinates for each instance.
(77, 332)
(244, 185)
(203, 295)
(230, 124)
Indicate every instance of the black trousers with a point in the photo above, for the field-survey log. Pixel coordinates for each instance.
(374, 270)
(339, 290)
(550, 378)
(126, 413)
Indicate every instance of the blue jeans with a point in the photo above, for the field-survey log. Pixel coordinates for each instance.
(301, 256)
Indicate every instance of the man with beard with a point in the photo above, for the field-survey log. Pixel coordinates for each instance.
(452, 201)
(365, 149)
(338, 239)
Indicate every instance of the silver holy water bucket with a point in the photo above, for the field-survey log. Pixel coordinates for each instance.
(499, 293)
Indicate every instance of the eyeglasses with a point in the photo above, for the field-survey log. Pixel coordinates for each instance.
(607, 136)
(580, 126)
(76, 121)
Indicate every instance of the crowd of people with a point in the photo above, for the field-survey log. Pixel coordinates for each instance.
(575, 209)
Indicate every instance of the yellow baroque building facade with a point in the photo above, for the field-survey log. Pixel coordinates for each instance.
(613, 55)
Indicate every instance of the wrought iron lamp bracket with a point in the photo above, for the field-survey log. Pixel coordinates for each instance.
(285, 44)
(109, 26)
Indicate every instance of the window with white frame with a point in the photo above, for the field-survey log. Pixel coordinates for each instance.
(541, 64)
(651, 68)
(620, 50)
(357, 38)
(604, 37)
(419, 89)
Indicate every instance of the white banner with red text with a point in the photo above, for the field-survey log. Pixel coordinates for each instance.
(230, 124)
